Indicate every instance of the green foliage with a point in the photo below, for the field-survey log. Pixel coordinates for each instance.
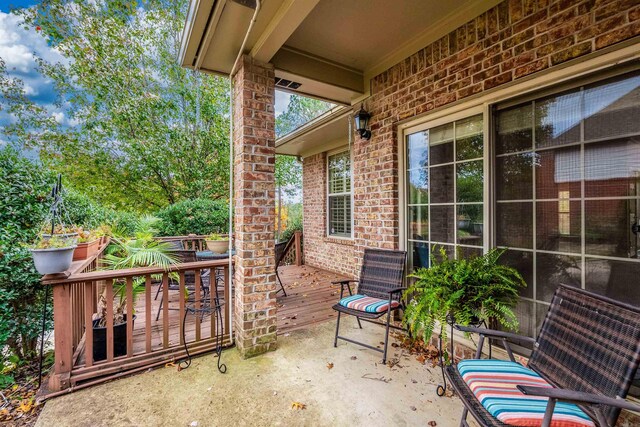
(139, 131)
(24, 188)
(142, 251)
(294, 222)
(300, 110)
(466, 290)
(54, 242)
(215, 237)
(86, 213)
(198, 216)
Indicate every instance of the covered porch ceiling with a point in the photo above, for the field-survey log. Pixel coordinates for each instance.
(329, 49)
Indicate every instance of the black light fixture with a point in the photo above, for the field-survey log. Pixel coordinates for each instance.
(362, 123)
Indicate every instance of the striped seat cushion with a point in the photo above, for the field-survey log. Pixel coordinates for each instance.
(368, 304)
(494, 382)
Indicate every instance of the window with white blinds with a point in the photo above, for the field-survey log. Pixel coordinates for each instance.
(339, 194)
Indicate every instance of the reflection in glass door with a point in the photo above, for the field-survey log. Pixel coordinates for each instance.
(567, 173)
(444, 191)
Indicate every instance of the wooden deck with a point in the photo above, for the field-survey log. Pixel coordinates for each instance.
(310, 296)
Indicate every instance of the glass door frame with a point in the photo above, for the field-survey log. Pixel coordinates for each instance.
(441, 118)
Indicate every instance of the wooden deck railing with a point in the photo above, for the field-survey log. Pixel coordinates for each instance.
(153, 338)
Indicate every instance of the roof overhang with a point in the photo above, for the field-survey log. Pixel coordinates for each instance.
(332, 48)
(326, 132)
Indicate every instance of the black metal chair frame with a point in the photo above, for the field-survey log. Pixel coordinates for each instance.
(281, 250)
(205, 281)
(381, 276)
(588, 348)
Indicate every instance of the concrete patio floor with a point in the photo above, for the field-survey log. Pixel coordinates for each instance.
(357, 391)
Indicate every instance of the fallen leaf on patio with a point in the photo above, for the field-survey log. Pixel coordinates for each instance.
(294, 317)
(395, 344)
(432, 423)
(414, 381)
(413, 408)
(421, 358)
(26, 405)
(330, 365)
(298, 405)
(169, 365)
(354, 357)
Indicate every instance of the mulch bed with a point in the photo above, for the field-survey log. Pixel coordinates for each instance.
(18, 403)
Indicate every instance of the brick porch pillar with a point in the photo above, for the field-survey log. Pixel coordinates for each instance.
(254, 190)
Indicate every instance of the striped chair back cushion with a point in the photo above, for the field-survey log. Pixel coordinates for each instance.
(382, 270)
(589, 343)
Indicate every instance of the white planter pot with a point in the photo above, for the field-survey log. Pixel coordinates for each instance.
(218, 246)
(52, 261)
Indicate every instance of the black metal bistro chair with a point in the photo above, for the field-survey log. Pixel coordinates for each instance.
(189, 279)
(379, 292)
(281, 250)
(580, 370)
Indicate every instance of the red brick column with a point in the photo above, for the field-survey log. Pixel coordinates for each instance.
(254, 192)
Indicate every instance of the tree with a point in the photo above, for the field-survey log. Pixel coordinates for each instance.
(300, 110)
(141, 132)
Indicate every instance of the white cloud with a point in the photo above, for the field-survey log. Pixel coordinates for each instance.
(282, 101)
(17, 47)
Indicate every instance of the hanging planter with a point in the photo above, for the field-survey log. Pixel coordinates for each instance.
(88, 244)
(53, 255)
(53, 251)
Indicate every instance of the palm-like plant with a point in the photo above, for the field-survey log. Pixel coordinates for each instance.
(142, 251)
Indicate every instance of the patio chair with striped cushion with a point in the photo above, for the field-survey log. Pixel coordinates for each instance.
(379, 292)
(582, 365)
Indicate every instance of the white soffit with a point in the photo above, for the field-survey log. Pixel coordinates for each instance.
(325, 132)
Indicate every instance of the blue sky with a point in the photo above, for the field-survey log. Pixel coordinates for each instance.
(6, 5)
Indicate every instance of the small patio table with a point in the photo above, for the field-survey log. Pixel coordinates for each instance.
(208, 255)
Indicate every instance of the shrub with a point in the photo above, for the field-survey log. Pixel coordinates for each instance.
(84, 212)
(294, 222)
(24, 187)
(196, 216)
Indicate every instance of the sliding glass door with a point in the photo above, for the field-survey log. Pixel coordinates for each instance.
(567, 193)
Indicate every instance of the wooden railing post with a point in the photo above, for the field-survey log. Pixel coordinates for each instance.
(298, 243)
(63, 338)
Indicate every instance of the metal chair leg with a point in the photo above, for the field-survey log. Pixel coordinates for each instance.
(463, 420)
(158, 292)
(281, 285)
(359, 324)
(386, 338)
(159, 308)
(335, 340)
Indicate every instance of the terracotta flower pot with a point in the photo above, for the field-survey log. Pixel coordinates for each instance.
(86, 250)
(218, 246)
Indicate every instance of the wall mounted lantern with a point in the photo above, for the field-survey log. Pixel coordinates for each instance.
(362, 123)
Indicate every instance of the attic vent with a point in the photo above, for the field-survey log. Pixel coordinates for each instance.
(287, 83)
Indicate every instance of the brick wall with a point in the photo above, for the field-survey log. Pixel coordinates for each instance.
(510, 41)
(319, 250)
(254, 192)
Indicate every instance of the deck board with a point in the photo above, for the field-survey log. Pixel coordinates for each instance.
(310, 296)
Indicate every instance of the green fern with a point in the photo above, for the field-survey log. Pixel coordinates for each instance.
(467, 290)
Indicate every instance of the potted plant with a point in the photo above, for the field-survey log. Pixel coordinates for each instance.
(104, 232)
(88, 244)
(463, 291)
(53, 254)
(217, 243)
(131, 253)
(59, 230)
